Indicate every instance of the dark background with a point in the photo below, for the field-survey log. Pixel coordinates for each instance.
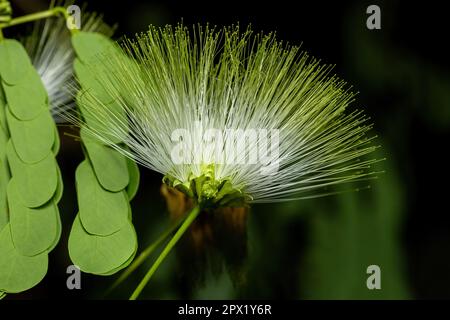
(315, 248)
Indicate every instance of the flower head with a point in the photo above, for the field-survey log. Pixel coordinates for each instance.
(52, 54)
(230, 117)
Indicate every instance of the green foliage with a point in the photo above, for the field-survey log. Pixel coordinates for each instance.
(14, 62)
(102, 212)
(352, 234)
(38, 181)
(19, 272)
(102, 254)
(27, 99)
(30, 181)
(102, 240)
(110, 166)
(4, 168)
(32, 139)
(33, 230)
(89, 75)
(134, 177)
(90, 45)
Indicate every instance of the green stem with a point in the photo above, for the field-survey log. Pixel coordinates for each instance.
(36, 16)
(144, 254)
(190, 218)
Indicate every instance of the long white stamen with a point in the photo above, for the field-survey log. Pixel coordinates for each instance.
(226, 79)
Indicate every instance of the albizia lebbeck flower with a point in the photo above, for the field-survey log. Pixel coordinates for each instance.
(177, 84)
(225, 79)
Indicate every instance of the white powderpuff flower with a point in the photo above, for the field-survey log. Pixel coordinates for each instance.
(178, 82)
(51, 52)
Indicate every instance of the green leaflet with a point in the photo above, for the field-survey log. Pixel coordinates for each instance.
(122, 266)
(91, 90)
(17, 272)
(28, 98)
(3, 142)
(101, 212)
(33, 230)
(32, 139)
(57, 142)
(59, 188)
(133, 171)
(101, 255)
(4, 177)
(90, 83)
(95, 123)
(14, 61)
(58, 231)
(3, 125)
(89, 45)
(4, 169)
(109, 165)
(37, 182)
(2, 295)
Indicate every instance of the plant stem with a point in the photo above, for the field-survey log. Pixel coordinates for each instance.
(190, 218)
(144, 254)
(35, 16)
